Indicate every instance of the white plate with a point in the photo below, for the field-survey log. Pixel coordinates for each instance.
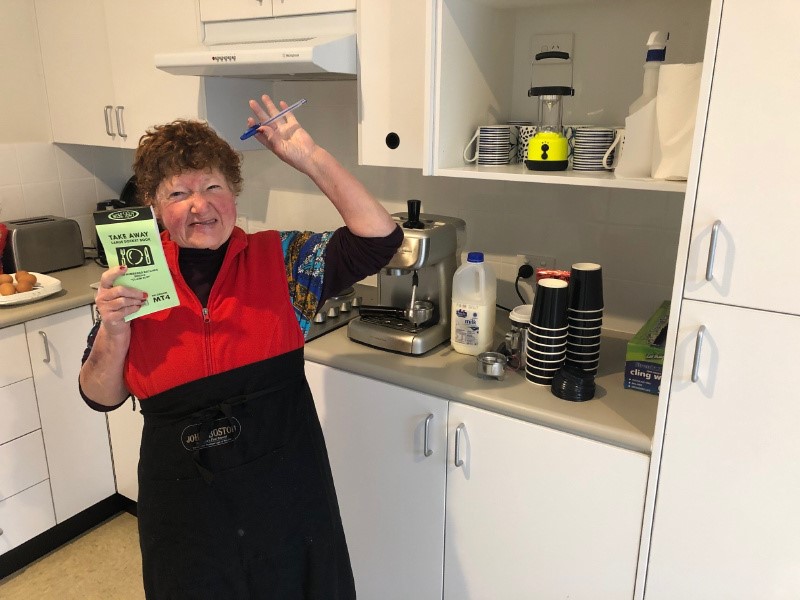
(45, 286)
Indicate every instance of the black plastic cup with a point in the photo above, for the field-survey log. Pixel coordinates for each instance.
(586, 287)
(535, 363)
(550, 305)
(584, 323)
(574, 384)
(579, 340)
(588, 367)
(544, 381)
(539, 372)
(545, 353)
(578, 353)
(585, 331)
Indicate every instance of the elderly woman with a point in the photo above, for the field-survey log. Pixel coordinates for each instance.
(236, 497)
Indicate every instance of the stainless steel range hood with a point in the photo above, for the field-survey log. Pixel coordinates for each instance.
(290, 48)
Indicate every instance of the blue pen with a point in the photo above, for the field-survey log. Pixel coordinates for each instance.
(254, 129)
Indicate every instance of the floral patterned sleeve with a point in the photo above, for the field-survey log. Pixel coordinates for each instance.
(304, 258)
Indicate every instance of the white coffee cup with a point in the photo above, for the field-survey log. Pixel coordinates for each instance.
(619, 144)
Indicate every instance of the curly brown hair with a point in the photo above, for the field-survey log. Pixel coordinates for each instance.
(182, 145)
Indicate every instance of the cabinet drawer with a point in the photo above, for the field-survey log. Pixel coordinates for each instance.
(14, 350)
(18, 411)
(22, 464)
(25, 515)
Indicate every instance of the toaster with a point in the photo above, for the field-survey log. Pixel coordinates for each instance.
(42, 244)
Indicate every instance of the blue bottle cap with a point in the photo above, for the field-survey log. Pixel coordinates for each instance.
(475, 257)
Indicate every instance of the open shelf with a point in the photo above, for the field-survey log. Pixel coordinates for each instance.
(519, 172)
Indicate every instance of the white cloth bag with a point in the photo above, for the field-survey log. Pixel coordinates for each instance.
(676, 111)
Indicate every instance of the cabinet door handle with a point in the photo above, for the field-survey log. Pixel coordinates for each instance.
(698, 347)
(107, 113)
(46, 347)
(120, 122)
(459, 462)
(426, 448)
(712, 250)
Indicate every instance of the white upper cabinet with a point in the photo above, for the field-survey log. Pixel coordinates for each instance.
(742, 250)
(228, 10)
(392, 107)
(231, 10)
(483, 54)
(102, 86)
(77, 68)
(282, 8)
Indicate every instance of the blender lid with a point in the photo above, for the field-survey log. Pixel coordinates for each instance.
(551, 90)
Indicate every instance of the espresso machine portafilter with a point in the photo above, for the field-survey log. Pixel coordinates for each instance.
(414, 289)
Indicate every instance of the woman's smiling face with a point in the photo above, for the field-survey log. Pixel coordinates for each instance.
(198, 208)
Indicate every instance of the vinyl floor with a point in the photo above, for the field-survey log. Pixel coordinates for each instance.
(102, 564)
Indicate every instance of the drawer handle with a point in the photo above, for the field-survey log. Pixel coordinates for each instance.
(46, 347)
(107, 113)
(121, 122)
(426, 448)
(698, 346)
(459, 462)
(712, 250)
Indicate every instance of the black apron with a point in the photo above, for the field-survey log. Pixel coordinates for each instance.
(236, 497)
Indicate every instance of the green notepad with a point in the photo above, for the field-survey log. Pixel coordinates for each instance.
(130, 237)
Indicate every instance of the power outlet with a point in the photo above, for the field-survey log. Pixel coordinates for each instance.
(537, 261)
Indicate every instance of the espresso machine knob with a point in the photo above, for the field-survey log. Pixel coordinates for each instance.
(345, 307)
(319, 318)
(333, 312)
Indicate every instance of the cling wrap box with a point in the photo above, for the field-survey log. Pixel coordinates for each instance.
(644, 358)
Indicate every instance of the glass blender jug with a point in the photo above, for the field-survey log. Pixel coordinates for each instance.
(548, 149)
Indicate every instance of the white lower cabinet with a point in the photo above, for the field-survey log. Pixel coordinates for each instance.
(75, 437)
(391, 495)
(25, 515)
(125, 429)
(530, 512)
(726, 523)
(537, 513)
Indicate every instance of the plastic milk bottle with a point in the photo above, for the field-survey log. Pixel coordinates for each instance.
(474, 297)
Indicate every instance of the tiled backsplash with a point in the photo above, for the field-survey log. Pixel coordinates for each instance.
(61, 180)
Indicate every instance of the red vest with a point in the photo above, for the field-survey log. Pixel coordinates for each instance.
(249, 318)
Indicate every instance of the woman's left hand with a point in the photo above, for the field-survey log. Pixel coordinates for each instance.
(285, 137)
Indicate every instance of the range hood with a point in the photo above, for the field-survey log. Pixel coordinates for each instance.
(292, 48)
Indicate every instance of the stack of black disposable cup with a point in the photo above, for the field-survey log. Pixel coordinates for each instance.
(575, 381)
(585, 316)
(546, 348)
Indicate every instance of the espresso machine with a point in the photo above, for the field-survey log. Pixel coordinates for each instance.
(414, 289)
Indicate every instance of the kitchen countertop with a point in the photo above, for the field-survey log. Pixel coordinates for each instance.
(75, 291)
(617, 416)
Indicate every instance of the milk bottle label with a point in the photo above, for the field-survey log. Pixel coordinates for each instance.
(467, 324)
